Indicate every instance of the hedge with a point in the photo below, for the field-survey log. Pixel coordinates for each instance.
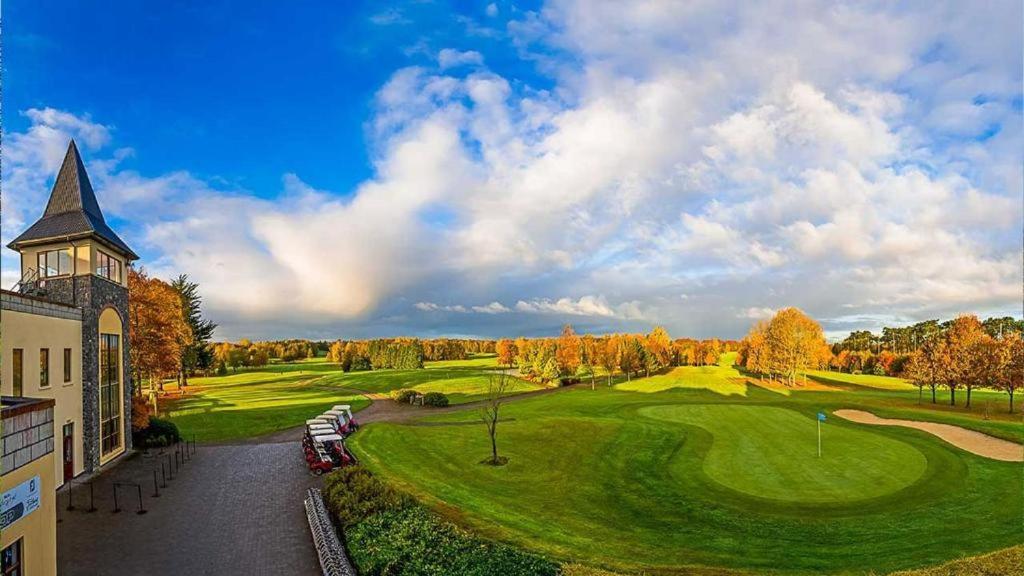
(389, 534)
(435, 399)
(158, 434)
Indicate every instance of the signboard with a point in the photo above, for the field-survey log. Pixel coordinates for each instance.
(19, 502)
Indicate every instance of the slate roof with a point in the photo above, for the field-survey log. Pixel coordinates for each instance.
(72, 210)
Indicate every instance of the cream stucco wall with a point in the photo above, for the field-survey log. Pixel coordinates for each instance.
(38, 530)
(110, 323)
(31, 332)
(84, 257)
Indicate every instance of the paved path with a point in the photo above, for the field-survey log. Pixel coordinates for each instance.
(969, 440)
(230, 510)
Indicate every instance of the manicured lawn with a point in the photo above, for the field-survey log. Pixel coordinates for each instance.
(279, 396)
(253, 403)
(461, 380)
(647, 476)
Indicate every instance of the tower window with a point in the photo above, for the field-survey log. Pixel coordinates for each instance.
(107, 266)
(67, 365)
(17, 365)
(54, 263)
(44, 367)
(110, 393)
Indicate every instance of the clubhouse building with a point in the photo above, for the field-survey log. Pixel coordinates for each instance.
(64, 364)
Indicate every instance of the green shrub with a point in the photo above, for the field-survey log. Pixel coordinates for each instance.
(435, 399)
(352, 494)
(403, 396)
(158, 434)
(389, 534)
(413, 541)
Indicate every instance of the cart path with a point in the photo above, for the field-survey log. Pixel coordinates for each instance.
(384, 409)
(969, 440)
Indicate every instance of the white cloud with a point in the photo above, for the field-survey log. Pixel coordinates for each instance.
(665, 160)
(451, 58)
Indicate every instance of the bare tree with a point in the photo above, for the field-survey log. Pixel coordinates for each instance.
(498, 385)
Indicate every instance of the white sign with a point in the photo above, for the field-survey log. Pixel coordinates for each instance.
(19, 502)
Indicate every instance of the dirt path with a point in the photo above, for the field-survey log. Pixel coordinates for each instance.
(969, 440)
(384, 409)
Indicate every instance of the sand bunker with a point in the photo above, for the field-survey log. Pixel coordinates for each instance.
(974, 442)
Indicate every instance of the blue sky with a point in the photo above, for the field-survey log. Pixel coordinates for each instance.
(350, 170)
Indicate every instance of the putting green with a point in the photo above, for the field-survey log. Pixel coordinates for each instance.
(771, 452)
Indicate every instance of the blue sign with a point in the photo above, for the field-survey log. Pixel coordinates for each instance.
(821, 416)
(19, 502)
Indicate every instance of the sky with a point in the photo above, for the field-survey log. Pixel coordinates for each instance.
(354, 170)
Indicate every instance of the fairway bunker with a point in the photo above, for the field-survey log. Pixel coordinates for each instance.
(969, 440)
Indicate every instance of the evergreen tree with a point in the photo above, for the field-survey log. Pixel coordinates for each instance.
(197, 355)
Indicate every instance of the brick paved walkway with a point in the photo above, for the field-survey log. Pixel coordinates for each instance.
(229, 510)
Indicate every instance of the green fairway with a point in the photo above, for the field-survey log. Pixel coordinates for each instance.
(253, 403)
(702, 474)
(259, 401)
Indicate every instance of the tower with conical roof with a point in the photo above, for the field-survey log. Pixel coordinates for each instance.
(71, 256)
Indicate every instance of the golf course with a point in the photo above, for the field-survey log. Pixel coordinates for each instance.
(696, 469)
(702, 469)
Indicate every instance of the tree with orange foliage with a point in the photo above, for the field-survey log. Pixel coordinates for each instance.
(659, 345)
(568, 352)
(1011, 376)
(506, 350)
(610, 355)
(793, 342)
(961, 339)
(157, 328)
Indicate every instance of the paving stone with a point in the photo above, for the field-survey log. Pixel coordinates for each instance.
(229, 510)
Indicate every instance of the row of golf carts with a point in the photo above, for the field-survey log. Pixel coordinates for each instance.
(324, 439)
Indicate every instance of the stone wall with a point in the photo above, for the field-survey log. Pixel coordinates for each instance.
(27, 436)
(29, 305)
(92, 295)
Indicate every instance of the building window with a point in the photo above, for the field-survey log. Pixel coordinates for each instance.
(107, 266)
(54, 263)
(10, 560)
(67, 365)
(17, 365)
(44, 367)
(110, 393)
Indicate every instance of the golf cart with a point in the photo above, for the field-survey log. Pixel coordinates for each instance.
(324, 451)
(342, 419)
(347, 409)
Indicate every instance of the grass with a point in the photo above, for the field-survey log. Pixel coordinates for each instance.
(279, 396)
(695, 469)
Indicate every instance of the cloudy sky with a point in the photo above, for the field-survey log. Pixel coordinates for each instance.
(445, 168)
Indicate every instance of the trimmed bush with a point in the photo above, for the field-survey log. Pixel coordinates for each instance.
(158, 434)
(435, 399)
(403, 396)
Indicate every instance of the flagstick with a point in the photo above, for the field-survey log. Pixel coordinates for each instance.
(819, 437)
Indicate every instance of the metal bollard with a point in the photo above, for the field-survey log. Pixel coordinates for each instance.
(117, 508)
(156, 488)
(141, 509)
(163, 474)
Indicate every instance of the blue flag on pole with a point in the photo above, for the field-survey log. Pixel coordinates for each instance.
(821, 416)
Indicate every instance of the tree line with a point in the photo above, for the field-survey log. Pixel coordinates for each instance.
(572, 357)
(962, 353)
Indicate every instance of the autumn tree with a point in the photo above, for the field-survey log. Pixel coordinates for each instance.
(609, 356)
(568, 352)
(506, 350)
(1011, 377)
(659, 345)
(961, 341)
(157, 328)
